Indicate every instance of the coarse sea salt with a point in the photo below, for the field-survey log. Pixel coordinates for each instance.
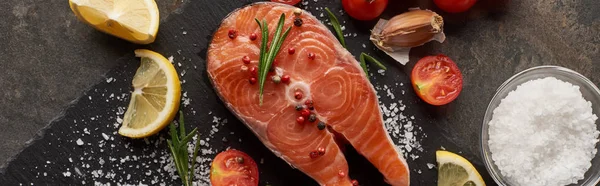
(543, 133)
(407, 136)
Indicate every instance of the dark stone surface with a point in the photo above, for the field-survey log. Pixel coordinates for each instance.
(49, 59)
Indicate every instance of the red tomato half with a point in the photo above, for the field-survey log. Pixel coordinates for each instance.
(289, 2)
(437, 79)
(454, 6)
(364, 9)
(233, 167)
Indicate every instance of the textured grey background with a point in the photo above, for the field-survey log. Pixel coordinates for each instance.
(49, 59)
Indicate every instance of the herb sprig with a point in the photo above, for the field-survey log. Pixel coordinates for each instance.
(363, 56)
(268, 55)
(373, 60)
(363, 64)
(178, 145)
(336, 27)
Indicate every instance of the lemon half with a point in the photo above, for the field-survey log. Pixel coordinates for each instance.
(133, 20)
(454, 170)
(155, 98)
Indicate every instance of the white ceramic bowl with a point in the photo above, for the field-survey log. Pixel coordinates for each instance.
(588, 89)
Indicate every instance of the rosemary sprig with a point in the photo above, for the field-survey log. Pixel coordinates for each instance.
(363, 64)
(178, 147)
(266, 57)
(373, 60)
(336, 26)
(363, 56)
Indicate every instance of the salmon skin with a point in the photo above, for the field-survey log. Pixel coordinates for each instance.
(342, 96)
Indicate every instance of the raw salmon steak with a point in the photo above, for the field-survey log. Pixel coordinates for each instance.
(321, 70)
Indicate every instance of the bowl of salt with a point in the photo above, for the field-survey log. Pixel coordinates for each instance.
(541, 128)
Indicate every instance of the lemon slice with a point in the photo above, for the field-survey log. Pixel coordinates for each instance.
(155, 99)
(133, 20)
(454, 170)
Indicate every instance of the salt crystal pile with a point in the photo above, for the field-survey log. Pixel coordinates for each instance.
(543, 133)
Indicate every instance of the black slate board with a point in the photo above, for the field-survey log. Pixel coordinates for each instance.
(53, 157)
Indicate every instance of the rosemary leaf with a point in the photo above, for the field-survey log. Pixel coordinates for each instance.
(363, 64)
(178, 145)
(270, 56)
(187, 138)
(196, 148)
(373, 60)
(176, 158)
(363, 56)
(173, 131)
(183, 153)
(336, 26)
(267, 57)
(181, 124)
(264, 28)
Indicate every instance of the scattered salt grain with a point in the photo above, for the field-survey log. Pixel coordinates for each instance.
(406, 136)
(430, 166)
(79, 142)
(170, 59)
(543, 133)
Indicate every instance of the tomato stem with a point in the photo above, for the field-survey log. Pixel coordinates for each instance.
(419, 87)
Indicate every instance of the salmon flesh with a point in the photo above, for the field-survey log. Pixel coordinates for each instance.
(343, 98)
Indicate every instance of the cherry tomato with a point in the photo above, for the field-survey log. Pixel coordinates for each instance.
(454, 6)
(437, 79)
(233, 167)
(289, 2)
(364, 9)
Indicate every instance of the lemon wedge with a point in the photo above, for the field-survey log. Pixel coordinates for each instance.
(155, 99)
(133, 20)
(454, 170)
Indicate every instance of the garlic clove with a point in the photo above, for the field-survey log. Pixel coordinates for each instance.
(410, 29)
